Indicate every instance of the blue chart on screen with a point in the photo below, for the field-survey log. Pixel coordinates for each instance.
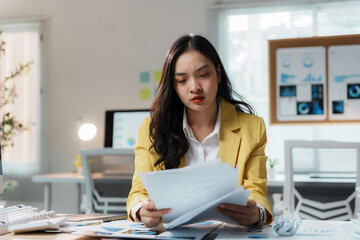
(125, 127)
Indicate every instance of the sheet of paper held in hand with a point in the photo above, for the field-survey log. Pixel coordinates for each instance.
(194, 192)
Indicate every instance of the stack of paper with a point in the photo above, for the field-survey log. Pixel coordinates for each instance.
(194, 192)
(126, 229)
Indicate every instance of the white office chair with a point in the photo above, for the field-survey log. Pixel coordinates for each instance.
(310, 209)
(93, 201)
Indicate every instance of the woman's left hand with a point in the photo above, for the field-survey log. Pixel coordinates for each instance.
(244, 215)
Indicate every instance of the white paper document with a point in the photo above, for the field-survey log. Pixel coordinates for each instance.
(194, 192)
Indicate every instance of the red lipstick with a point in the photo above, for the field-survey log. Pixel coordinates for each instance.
(197, 99)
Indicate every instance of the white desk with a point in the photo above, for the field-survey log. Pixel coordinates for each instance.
(303, 179)
(309, 230)
(78, 179)
(48, 179)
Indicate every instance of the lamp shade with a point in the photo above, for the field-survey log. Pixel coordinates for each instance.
(87, 131)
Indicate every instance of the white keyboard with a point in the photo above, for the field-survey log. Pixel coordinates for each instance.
(20, 214)
(52, 223)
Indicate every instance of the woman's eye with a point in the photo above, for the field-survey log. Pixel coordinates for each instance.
(180, 80)
(204, 75)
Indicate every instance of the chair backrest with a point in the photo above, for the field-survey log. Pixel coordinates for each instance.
(95, 202)
(330, 210)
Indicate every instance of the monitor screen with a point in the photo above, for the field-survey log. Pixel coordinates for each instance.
(122, 127)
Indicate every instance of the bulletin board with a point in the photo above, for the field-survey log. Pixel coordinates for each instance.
(315, 80)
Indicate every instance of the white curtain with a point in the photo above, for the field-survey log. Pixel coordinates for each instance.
(22, 45)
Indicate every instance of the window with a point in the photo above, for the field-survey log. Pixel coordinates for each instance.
(22, 45)
(243, 48)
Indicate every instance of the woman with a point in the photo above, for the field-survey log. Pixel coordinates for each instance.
(195, 118)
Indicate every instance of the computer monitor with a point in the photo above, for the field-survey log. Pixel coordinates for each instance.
(1, 175)
(122, 127)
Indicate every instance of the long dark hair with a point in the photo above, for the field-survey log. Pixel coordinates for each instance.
(166, 128)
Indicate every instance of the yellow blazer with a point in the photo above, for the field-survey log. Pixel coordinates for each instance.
(242, 143)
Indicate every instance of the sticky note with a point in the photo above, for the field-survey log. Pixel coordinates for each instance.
(144, 77)
(157, 76)
(145, 93)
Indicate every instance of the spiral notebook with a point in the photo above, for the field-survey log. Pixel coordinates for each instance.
(94, 216)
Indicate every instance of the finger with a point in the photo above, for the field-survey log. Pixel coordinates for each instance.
(232, 214)
(151, 222)
(154, 213)
(148, 204)
(240, 218)
(234, 207)
(251, 203)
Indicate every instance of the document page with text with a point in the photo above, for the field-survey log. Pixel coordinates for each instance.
(194, 192)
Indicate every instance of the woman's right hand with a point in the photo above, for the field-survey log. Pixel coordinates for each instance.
(149, 215)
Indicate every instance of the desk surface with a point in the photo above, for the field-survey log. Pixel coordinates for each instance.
(309, 230)
(279, 179)
(44, 236)
(78, 179)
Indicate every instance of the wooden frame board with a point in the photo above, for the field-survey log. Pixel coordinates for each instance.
(302, 43)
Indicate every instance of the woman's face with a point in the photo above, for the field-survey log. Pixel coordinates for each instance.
(196, 81)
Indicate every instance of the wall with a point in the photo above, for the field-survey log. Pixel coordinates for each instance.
(94, 53)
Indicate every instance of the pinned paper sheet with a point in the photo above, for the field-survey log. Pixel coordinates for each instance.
(301, 83)
(344, 82)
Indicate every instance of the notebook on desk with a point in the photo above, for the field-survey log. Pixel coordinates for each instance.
(93, 216)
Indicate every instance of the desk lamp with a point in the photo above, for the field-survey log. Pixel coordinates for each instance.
(87, 131)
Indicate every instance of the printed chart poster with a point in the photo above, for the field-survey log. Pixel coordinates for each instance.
(344, 82)
(301, 84)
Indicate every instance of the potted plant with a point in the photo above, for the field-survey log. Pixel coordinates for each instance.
(272, 170)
